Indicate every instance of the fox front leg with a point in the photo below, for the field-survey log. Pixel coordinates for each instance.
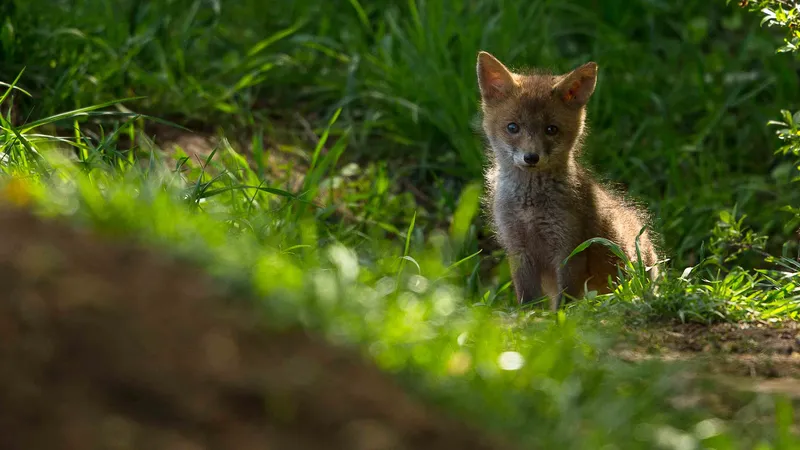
(570, 279)
(527, 278)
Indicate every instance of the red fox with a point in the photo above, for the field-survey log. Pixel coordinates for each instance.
(543, 203)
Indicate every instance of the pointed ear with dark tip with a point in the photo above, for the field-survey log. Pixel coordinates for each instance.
(494, 79)
(577, 86)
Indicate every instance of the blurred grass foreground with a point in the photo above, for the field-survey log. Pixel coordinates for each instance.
(248, 225)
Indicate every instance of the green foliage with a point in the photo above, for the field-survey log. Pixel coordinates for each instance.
(779, 13)
(730, 239)
(408, 96)
(785, 15)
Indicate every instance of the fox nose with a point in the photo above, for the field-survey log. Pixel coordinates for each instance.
(531, 158)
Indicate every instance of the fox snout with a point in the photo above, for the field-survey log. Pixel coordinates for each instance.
(530, 158)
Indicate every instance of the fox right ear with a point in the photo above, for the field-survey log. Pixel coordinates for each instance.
(494, 79)
(577, 86)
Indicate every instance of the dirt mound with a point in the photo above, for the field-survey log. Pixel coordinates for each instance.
(107, 345)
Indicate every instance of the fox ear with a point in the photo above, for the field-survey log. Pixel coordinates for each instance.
(494, 79)
(577, 86)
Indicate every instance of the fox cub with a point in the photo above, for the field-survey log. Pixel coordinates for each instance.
(543, 203)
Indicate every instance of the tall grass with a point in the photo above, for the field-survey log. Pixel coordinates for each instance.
(677, 119)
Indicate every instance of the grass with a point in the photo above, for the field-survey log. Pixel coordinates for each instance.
(408, 92)
(379, 243)
(530, 380)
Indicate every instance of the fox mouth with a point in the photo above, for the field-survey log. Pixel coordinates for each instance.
(528, 166)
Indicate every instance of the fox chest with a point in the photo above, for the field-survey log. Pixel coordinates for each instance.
(541, 226)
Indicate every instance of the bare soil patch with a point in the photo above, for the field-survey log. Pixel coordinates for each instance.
(780, 339)
(107, 345)
(756, 357)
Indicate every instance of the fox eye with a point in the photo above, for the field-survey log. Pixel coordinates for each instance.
(551, 130)
(512, 128)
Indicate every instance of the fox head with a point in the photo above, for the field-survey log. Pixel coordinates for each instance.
(533, 121)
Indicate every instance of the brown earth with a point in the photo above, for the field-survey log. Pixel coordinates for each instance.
(753, 357)
(107, 345)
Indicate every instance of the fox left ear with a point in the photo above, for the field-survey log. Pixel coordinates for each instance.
(577, 86)
(495, 81)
